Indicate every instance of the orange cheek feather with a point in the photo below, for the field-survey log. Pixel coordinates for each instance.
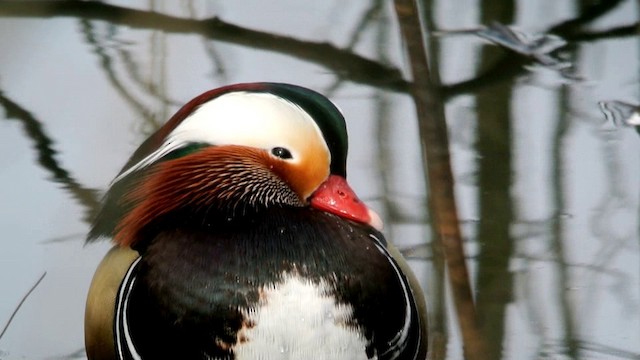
(305, 177)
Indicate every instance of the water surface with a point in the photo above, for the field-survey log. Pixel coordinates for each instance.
(546, 181)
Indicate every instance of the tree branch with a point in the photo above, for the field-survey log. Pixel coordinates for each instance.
(355, 67)
(88, 198)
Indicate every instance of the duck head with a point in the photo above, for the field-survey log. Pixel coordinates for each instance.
(235, 151)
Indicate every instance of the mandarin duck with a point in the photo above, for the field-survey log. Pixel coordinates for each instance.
(237, 236)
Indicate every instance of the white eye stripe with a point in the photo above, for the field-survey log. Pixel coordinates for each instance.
(165, 149)
(259, 120)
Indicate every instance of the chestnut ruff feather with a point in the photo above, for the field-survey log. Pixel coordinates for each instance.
(219, 180)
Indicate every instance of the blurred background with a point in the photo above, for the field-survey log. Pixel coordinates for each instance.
(541, 102)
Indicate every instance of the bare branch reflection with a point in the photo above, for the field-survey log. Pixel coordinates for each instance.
(438, 174)
(218, 67)
(525, 274)
(151, 120)
(494, 141)
(343, 63)
(371, 15)
(564, 302)
(17, 308)
(357, 68)
(43, 145)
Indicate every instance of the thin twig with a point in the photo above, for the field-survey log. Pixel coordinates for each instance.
(24, 298)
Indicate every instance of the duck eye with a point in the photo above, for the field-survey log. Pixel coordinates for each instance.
(281, 152)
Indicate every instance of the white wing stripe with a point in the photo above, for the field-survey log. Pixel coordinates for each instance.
(121, 315)
(399, 342)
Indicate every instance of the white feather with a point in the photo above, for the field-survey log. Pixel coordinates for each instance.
(399, 342)
(297, 319)
(122, 307)
(260, 120)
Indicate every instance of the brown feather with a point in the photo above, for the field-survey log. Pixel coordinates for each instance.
(223, 177)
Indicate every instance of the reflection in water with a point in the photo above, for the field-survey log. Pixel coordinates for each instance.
(621, 113)
(102, 47)
(15, 311)
(447, 237)
(494, 138)
(46, 155)
(547, 196)
(538, 47)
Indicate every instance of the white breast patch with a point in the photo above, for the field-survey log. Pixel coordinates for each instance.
(297, 319)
